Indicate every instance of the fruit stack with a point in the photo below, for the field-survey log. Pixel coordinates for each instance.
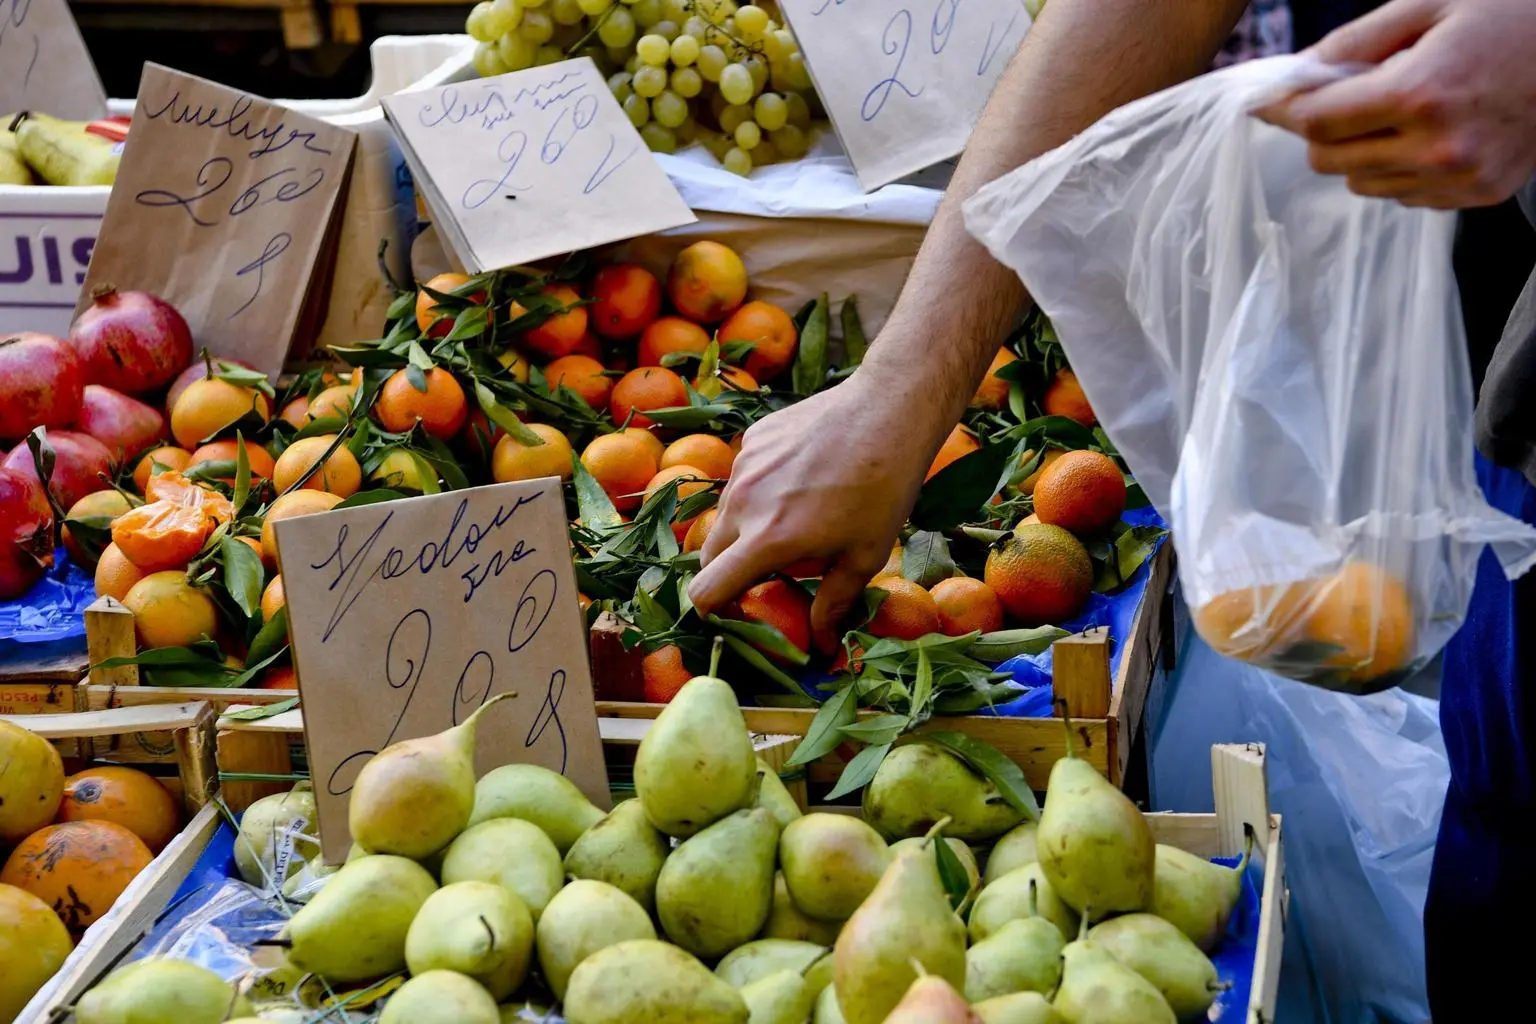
(36, 149)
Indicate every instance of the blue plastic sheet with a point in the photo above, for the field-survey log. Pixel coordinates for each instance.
(52, 610)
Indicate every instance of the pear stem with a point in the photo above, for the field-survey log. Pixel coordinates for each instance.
(917, 965)
(1034, 907)
(1066, 717)
(483, 708)
(714, 656)
(938, 826)
(807, 968)
(1082, 925)
(489, 930)
(1250, 836)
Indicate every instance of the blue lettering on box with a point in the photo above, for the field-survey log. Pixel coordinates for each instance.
(43, 257)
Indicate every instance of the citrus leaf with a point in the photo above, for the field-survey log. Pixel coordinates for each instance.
(271, 639)
(762, 636)
(752, 656)
(922, 686)
(505, 418)
(957, 882)
(925, 558)
(592, 502)
(854, 342)
(370, 498)
(258, 713)
(687, 417)
(879, 729)
(993, 765)
(825, 733)
(242, 574)
(860, 770)
(810, 369)
(242, 473)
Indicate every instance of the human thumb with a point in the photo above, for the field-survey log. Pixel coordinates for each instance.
(840, 587)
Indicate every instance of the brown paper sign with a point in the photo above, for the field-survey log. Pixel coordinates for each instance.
(408, 615)
(44, 65)
(224, 206)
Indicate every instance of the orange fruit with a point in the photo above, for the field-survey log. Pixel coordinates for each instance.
(560, 334)
(623, 465)
(590, 347)
(257, 457)
(106, 504)
(992, 392)
(515, 461)
(287, 506)
(161, 535)
(583, 375)
(168, 611)
(652, 442)
(79, 868)
(1252, 623)
(959, 443)
(664, 674)
(441, 409)
(694, 481)
(1367, 614)
(625, 298)
(115, 574)
(639, 391)
(698, 530)
(1081, 491)
(1027, 485)
(1041, 573)
(33, 946)
(174, 487)
(772, 334)
(124, 796)
(340, 474)
(513, 362)
(1064, 397)
(784, 606)
(704, 451)
(402, 471)
(706, 282)
(279, 677)
(432, 324)
(668, 335)
(908, 611)
(272, 598)
(966, 604)
(332, 403)
(296, 412)
(739, 379)
(31, 782)
(210, 405)
(169, 456)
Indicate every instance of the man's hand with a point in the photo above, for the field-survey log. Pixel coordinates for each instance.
(1446, 119)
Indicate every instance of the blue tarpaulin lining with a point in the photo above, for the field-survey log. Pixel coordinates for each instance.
(54, 609)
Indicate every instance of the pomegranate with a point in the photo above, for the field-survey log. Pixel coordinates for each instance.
(196, 372)
(40, 381)
(79, 461)
(125, 425)
(131, 341)
(26, 534)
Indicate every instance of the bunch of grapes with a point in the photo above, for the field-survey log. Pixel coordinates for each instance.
(731, 78)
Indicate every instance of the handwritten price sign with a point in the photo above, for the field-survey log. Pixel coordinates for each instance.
(224, 205)
(904, 81)
(532, 164)
(408, 615)
(44, 65)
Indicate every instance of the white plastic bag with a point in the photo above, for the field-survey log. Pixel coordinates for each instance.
(1281, 362)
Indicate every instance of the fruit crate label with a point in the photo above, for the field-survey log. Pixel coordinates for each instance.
(904, 82)
(532, 164)
(44, 65)
(227, 206)
(407, 615)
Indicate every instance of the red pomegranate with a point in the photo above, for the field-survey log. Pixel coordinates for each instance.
(26, 534)
(79, 461)
(131, 341)
(125, 425)
(40, 381)
(196, 372)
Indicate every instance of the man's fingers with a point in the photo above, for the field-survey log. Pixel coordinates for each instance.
(1380, 34)
(1366, 104)
(1373, 155)
(842, 585)
(732, 570)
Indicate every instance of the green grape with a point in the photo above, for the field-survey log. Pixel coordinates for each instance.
(799, 110)
(487, 61)
(649, 81)
(653, 49)
(637, 110)
(476, 23)
(799, 75)
(790, 142)
(505, 15)
(696, 27)
(647, 13)
(751, 23)
(675, 10)
(733, 117)
(538, 27)
(548, 55)
(687, 82)
(737, 161)
(533, 3)
(516, 51)
(714, 10)
(736, 84)
(593, 8)
(717, 36)
(685, 50)
(687, 132)
(712, 63)
(619, 85)
(770, 112)
(758, 69)
(618, 29)
(668, 30)
(748, 135)
(566, 12)
(658, 138)
(717, 144)
(779, 44)
(764, 153)
(669, 109)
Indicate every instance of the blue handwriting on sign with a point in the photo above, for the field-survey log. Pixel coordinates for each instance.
(13, 15)
(236, 121)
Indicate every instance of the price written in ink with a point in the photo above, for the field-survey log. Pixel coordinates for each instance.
(45, 63)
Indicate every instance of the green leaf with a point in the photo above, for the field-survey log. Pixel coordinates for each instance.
(762, 636)
(688, 417)
(470, 323)
(961, 489)
(922, 686)
(879, 729)
(1135, 546)
(415, 375)
(505, 418)
(825, 733)
(242, 473)
(370, 498)
(205, 675)
(404, 303)
(810, 368)
(271, 639)
(592, 502)
(854, 343)
(1135, 497)
(752, 656)
(200, 654)
(417, 356)
(242, 574)
(267, 711)
(860, 770)
(1003, 644)
(993, 765)
(925, 558)
(957, 882)
(649, 615)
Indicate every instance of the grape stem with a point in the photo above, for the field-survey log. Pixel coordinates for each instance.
(756, 51)
(596, 27)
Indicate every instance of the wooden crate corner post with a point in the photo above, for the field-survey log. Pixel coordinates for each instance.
(1080, 673)
(109, 634)
(1240, 783)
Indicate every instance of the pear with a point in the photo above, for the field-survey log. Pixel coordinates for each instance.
(696, 764)
(534, 793)
(1020, 893)
(1095, 847)
(786, 921)
(1016, 1008)
(1098, 989)
(918, 783)
(624, 850)
(907, 919)
(782, 997)
(282, 826)
(158, 989)
(413, 797)
(830, 863)
(1195, 895)
(440, 997)
(1163, 955)
(931, 1000)
(479, 929)
(1014, 850)
(774, 796)
(963, 854)
(756, 960)
(714, 892)
(653, 982)
(584, 917)
(304, 883)
(1022, 956)
(828, 1009)
(355, 928)
(512, 853)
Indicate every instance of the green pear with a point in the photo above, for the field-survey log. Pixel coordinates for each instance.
(440, 997)
(1095, 847)
(756, 960)
(1098, 989)
(624, 850)
(1162, 954)
(830, 863)
(787, 921)
(1023, 955)
(1014, 850)
(774, 796)
(931, 1000)
(828, 1009)
(513, 853)
(158, 989)
(920, 782)
(907, 920)
(584, 917)
(1195, 895)
(1016, 1008)
(964, 855)
(279, 828)
(1020, 893)
(354, 928)
(696, 763)
(413, 797)
(534, 793)
(479, 929)
(644, 981)
(714, 892)
(782, 997)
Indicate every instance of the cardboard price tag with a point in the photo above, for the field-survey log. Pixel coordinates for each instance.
(532, 164)
(408, 615)
(904, 81)
(226, 205)
(44, 65)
